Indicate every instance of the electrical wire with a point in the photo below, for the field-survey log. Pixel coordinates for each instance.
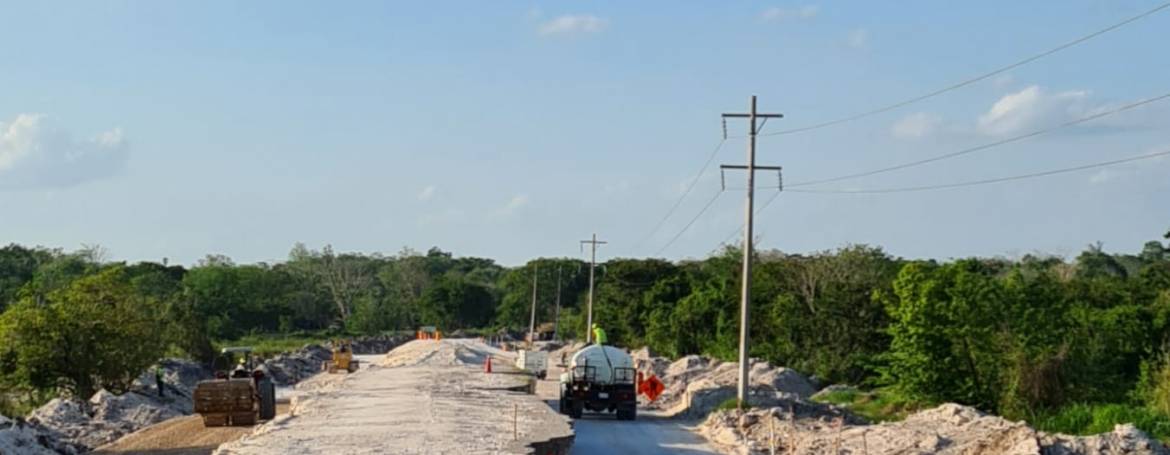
(964, 83)
(983, 146)
(688, 226)
(765, 205)
(986, 181)
(677, 203)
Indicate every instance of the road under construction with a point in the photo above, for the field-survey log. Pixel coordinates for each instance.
(426, 396)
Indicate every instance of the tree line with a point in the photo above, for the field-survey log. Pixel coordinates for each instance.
(1013, 336)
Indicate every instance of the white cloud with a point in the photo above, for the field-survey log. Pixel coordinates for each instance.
(858, 38)
(1034, 107)
(35, 155)
(776, 14)
(516, 203)
(917, 125)
(427, 193)
(573, 23)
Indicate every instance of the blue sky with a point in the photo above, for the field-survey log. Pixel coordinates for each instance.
(515, 129)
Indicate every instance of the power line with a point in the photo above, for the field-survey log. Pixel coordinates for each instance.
(987, 181)
(972, 80)
(983, 146)
(688, 226)
(758, 211)
(690, 187)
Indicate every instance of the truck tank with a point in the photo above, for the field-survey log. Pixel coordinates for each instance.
(603, 359)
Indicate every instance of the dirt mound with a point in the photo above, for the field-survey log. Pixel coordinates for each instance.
(371, 345)
(645, 360)
(293, 367)
(103, 419)
(947, 429)
(21, 437)
(696, 385)
(106, 417)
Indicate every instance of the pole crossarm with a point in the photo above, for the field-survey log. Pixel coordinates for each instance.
(725, 167)
(749, 115)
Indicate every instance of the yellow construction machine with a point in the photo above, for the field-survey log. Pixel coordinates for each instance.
(243, 396)
(342, 358)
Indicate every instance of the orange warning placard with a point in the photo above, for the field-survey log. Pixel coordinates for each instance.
(651, 387)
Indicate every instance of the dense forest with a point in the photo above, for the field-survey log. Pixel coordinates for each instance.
(1013, 336)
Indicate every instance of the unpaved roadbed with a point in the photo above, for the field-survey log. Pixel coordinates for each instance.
(424, 397)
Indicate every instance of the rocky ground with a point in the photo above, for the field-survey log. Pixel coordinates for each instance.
(785, 418)
(76, 426)
(947, 429)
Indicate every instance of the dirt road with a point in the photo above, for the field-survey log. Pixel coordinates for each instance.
(187, 435)
(179, 436)
(423, 397)
(602, 434)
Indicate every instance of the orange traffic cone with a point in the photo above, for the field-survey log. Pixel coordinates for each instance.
(487, 365)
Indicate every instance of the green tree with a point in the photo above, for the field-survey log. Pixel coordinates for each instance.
(95, 333)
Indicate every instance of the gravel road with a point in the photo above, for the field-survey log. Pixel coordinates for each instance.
(602, 434)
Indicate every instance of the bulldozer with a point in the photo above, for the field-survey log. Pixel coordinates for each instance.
(240, 397)
(342, 358)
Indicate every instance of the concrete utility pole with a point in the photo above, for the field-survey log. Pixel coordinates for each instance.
(557, 315)
(532, 319)
(746, 293)
(592, 264)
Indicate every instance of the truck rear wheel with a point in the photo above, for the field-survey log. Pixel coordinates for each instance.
(627, 413)
(576, 409)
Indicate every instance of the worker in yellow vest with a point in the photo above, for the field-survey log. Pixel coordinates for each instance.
(599, 335)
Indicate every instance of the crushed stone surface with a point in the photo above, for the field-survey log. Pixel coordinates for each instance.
(423, 397)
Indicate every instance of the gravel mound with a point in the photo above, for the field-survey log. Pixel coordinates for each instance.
(106, 417)
(21, 437)
(370, 345)
(293, 367)
(645, 360)
(696, 385)
(947, 429)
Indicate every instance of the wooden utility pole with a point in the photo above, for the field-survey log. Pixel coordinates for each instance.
(532, 319)
(746, 280)
(557, 314)
(592, 265)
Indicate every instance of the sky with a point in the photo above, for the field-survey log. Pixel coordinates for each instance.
(513, 130)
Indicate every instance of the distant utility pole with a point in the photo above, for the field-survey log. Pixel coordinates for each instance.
(532, 319)
(746, 293)
(557, 315)
(592, 265)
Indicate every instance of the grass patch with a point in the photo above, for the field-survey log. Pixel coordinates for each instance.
(268, 345)
(1087, 419)
(879, 405)
(731, 404)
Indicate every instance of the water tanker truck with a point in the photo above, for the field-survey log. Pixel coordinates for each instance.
(600, 379)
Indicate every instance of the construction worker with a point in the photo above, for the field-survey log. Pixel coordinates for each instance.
(240, 371)
(158, 380)
(599, 335)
